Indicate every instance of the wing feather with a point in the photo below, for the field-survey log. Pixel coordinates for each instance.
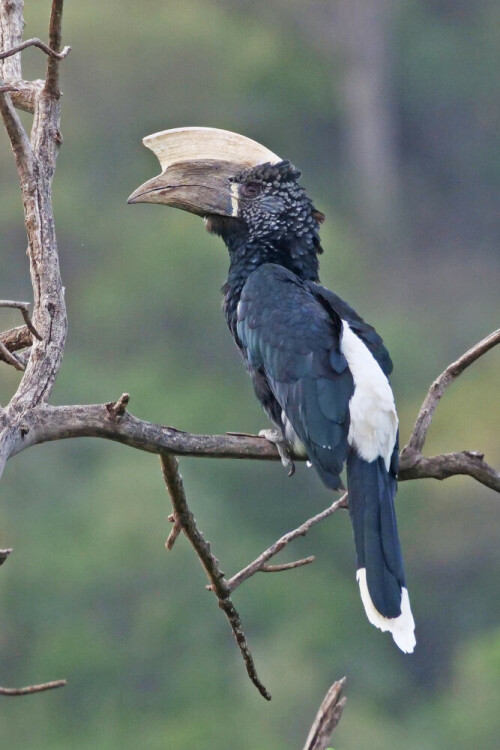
(291, 339)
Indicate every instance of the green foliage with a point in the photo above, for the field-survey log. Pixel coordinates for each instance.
(90, 593)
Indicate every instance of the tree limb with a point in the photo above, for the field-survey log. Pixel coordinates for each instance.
(46, 423)
(287, 566)
(35, 42)
(15, 339)
(327, 718)
(426, 413)
(24, 308)
(273, 550)
(11, 359)
(218, 583)
(55, 37)
(33, 688)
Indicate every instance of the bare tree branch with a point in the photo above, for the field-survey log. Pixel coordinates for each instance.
(55, 37)
(24, 307)
(11, 35)
(273, 550)
(466, 463)
(15, 339)
(36, 163)
(46, 423)
(175, 486)
(33, 688)
(327, 718)
(287, 566)
(35, 42)
(426, 413)
(11, 359)
(174, 533)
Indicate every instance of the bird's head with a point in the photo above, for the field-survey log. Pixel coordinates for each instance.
(234, 183)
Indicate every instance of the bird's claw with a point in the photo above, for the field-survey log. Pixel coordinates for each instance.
(276, 438)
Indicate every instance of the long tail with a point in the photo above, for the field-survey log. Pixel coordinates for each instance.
(380, 571)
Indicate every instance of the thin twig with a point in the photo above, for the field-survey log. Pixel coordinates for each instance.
(327, 718)
(287, 566)
(426, 413)
(273, 550)
(35, 42)
(174, 533)
(11, 359)
(175, 487)
(118, 408)
(24, 307)
(33, 688)
(8, 89)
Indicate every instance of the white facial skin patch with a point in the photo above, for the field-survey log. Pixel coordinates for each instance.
(234, 199)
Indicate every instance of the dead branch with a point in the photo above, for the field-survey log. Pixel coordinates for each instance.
(287, 566)
(327, 718)
(428, 408)
(11, 359)
(273, 550)
(55, 37)
(24, 308)
(35, 42)
(175, 486)
(46, 423)
(118, 408)
(33, 688)
(35, 162)
(174, 533)
(16, 338)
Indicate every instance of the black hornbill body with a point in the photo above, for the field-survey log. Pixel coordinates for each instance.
(319, 371)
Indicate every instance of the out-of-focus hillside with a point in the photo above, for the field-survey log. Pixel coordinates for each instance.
(90, 593)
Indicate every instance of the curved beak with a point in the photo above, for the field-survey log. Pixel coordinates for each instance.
(201, 187)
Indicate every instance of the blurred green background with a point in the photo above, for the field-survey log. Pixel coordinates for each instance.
(391, 110)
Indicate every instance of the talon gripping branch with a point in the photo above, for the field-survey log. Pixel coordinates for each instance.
(319, 371)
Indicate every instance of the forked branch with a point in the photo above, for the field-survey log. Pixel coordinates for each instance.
(260, 562)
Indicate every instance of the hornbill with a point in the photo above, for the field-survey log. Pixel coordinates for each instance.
(319, 371)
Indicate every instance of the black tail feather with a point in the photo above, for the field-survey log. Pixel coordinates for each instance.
(378, 551)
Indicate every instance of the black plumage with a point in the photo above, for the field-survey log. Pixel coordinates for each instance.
(289, 329)
(319, 371)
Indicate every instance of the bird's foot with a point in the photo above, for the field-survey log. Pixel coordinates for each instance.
(276, 438)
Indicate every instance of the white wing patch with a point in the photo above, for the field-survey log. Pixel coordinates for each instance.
(374, 422)
(402, 628)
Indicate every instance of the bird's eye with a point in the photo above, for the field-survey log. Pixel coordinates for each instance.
(251, 189)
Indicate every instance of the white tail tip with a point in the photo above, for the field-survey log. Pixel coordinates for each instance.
(402, 628)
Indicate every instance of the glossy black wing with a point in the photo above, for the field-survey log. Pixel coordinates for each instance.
(366, 332)
(293, 340)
